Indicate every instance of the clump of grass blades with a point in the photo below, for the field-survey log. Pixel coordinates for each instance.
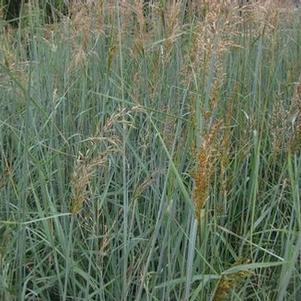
(98, 116)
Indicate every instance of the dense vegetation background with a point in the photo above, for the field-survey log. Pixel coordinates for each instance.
(150, 151)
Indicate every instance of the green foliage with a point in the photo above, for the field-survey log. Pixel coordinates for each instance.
(115, 126)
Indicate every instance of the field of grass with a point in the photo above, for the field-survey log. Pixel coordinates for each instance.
(151, 153)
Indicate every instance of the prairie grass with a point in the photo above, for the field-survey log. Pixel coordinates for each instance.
(151, 151)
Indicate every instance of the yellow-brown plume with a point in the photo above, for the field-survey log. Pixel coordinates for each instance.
(229, 282)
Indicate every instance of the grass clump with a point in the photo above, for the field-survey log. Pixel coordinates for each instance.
(145, 147)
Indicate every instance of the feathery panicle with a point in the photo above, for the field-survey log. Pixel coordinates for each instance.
(279, 127)
(171, 25)
(213, 37)
(87, 164)
(206, 162)
(87, 23)
(81, 177)
(225, 145)
(229, 282)
(286, 124)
